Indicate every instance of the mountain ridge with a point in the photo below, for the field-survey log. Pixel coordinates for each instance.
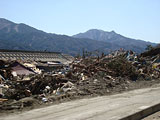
(114, 38)
(111, 33)
(24, 37)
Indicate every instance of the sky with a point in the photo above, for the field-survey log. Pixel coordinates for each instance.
(138, 19)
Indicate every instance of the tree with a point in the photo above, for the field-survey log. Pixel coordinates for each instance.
(149, 47)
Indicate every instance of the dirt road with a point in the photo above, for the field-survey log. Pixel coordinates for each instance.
(100, 108)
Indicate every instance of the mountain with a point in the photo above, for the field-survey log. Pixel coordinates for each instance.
(23, 37)
(116, 39)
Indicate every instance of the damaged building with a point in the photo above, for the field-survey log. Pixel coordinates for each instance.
(34, 56)
(31, 62)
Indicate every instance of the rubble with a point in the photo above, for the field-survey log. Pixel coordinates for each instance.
(85, 76)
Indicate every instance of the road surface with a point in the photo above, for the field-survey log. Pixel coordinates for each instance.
(111, 107)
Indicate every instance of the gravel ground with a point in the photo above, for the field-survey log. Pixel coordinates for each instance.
(155, 116)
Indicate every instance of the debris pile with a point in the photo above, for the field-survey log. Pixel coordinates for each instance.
(84, 76)
(151, 61)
